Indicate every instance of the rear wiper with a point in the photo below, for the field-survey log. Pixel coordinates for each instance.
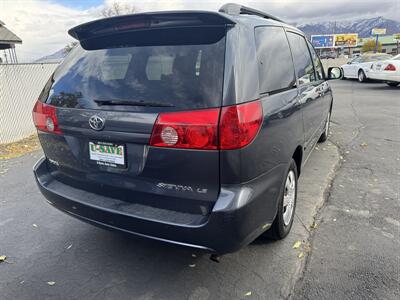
(131, 103)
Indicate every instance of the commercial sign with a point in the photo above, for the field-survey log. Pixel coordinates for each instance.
(396, 37)
(323, 41)
(346, 40)
(334, 40)
(376, 31)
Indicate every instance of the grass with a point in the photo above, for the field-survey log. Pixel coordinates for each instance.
(19, 148)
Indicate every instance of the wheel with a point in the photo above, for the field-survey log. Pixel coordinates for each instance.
(361, 76)
(287, 206)
(393, 83)
(324, 135)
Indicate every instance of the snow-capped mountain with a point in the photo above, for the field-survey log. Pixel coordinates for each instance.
(56, 57)
(362, 27)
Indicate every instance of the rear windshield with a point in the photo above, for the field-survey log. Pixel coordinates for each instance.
(176, 76)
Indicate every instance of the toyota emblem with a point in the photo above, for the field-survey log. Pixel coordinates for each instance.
(96, 122)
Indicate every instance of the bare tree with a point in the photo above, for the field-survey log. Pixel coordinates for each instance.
(117, 9)
(69, 47)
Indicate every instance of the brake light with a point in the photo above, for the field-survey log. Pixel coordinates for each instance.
(390, 67)
(237, 127)
(190, 129)
(45, 118)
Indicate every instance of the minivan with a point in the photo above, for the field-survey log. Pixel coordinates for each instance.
(190, 127)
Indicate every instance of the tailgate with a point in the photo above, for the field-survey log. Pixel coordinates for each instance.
(108, 98)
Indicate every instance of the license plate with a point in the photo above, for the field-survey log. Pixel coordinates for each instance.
(107, 154)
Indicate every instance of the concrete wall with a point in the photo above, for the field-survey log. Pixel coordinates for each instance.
(20, 87)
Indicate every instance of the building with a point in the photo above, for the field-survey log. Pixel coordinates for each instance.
(8, 40)
(389, 44)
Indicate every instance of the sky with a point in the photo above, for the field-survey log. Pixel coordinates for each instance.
(43, 24)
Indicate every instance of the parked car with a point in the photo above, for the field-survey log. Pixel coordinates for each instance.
(328, 55)
(387, 71)
(185, 127)
(359, 67)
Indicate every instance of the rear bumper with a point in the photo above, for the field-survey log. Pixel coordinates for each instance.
(385, 76)
(241, 213)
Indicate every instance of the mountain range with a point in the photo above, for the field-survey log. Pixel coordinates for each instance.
(362, 26)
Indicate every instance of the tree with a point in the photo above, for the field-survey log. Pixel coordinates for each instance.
(117, 9)
(69, 47)
(369, 45)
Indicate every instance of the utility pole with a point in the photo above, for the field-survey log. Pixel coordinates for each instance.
(376, 43)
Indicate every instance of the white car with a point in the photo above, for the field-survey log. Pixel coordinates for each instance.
(359, 67)
(387, 71)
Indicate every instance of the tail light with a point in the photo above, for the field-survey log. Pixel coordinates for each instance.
(45, 118)
(231, 127)
(390, 67)
(239, 125)
(189, 129)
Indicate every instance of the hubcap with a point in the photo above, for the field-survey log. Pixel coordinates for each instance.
(289, 198)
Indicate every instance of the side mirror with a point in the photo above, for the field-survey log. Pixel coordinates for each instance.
(334, 73)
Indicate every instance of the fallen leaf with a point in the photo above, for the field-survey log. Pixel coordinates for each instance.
(301, 255)
(248, 294)
(363, 144)
(51, 283)
(297, 245)
(192, 265)
(3, 258)
(307, 248)
(314, 225)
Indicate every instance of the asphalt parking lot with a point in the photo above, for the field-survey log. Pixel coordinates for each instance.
(347, 221)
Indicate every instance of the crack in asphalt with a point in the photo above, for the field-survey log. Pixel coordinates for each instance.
(327, 194)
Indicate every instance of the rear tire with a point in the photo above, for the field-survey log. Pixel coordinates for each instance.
(393, 83)
(361, 76)
(324, 135)
(287, 206)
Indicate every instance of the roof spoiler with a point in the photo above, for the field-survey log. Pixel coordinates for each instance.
(237, 9)
(145, 21)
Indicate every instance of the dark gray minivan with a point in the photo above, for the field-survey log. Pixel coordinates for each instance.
(189, 127)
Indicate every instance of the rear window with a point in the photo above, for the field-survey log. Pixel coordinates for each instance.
(184, 76)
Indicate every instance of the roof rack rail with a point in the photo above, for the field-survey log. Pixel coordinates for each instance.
(237, 9)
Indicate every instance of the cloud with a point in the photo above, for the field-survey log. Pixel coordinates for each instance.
(43, 24)
(290, 10)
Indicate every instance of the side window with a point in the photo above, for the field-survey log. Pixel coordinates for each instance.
(319, 69)
(302, 59)
(275, 66)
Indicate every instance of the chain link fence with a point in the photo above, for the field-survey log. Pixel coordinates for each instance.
(20, 87)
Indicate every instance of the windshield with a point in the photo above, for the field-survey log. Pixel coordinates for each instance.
(180, 76)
